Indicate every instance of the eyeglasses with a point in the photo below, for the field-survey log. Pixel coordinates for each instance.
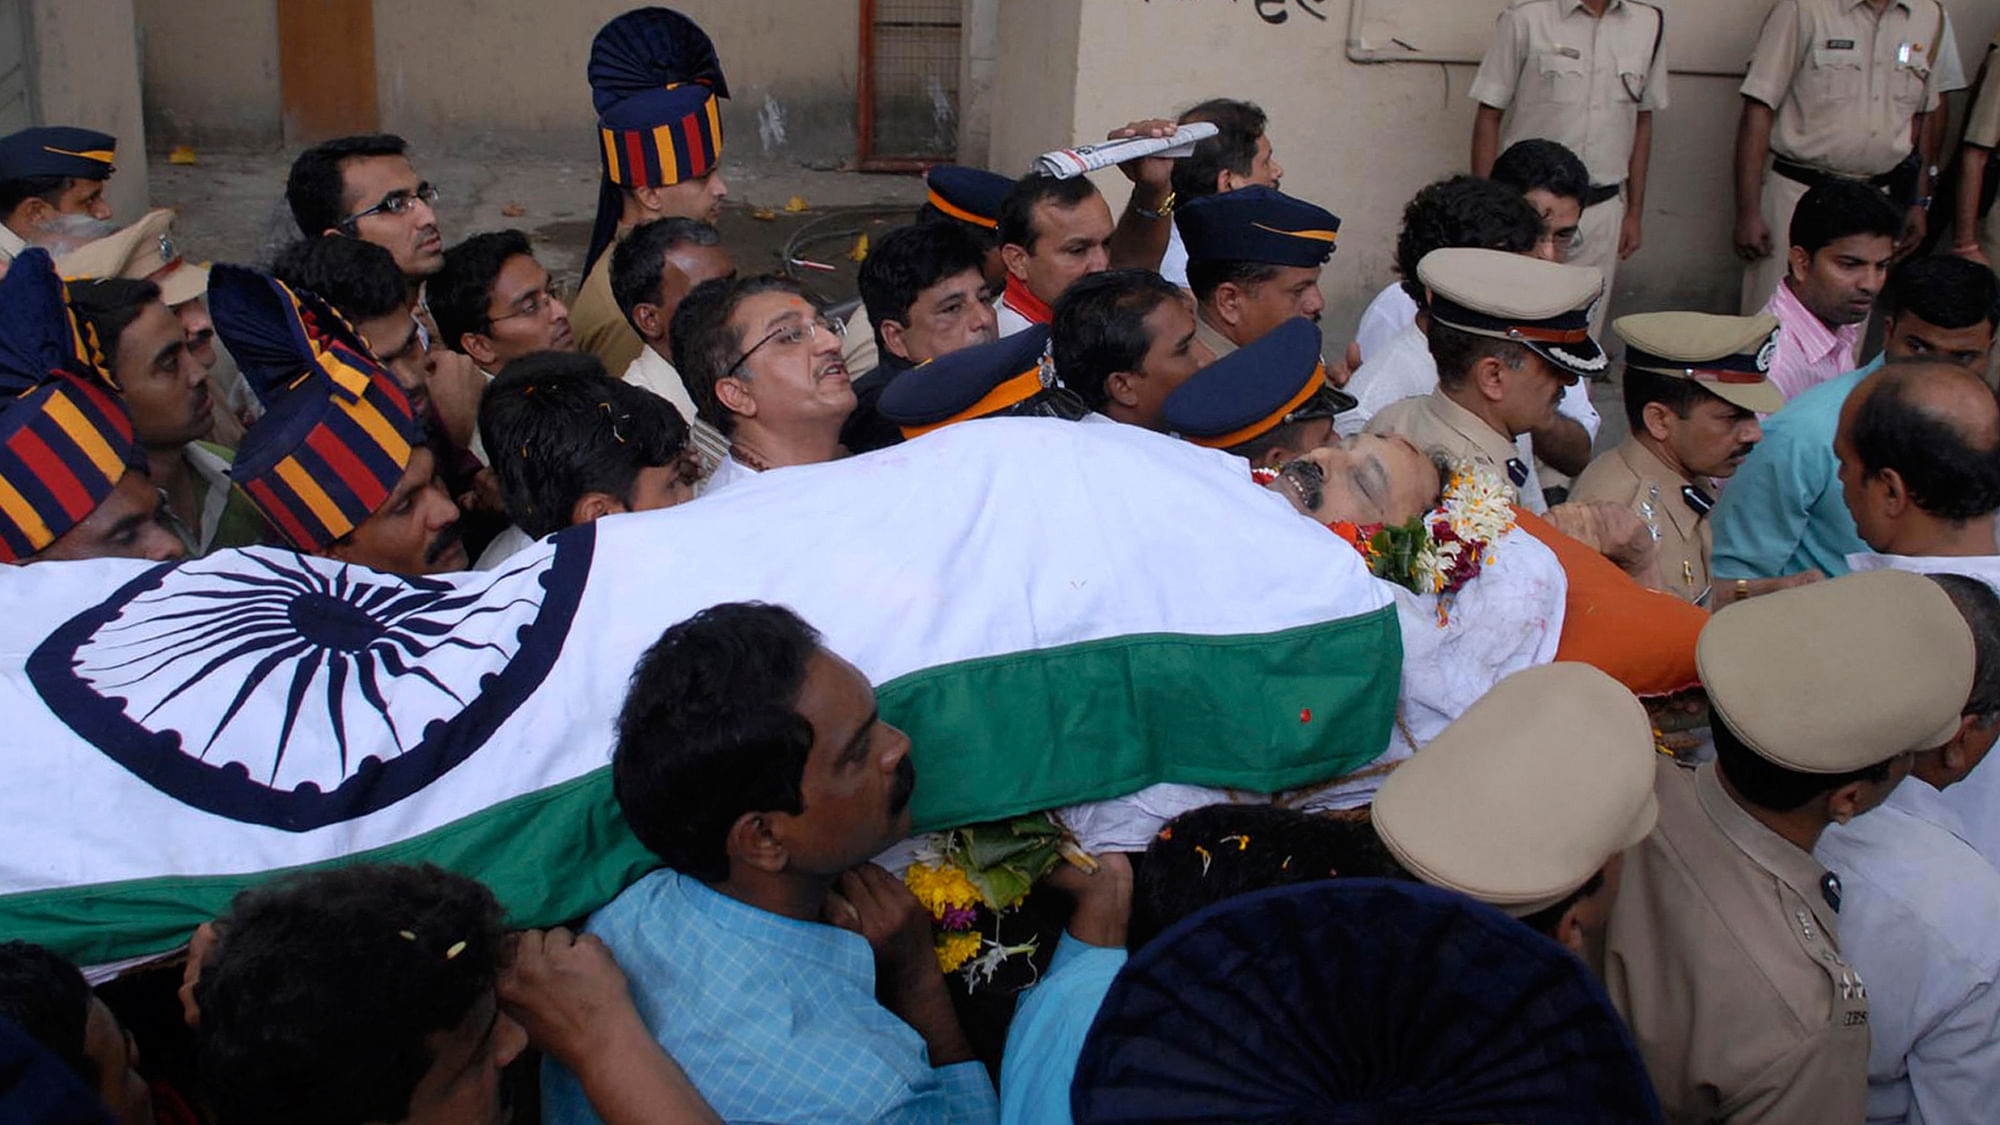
(791, 336)
(396, 202)
(535, 303)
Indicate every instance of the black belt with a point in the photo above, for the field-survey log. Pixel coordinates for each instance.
(1814, 177)
(1601, 193)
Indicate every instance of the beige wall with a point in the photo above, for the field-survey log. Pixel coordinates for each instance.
(1361, 138)
(211, 72)
(87, 73)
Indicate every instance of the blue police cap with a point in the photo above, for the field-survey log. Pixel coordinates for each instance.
(1257, 224)
(1275, 379)
(969, 383)
(57, 150)
(970, 195)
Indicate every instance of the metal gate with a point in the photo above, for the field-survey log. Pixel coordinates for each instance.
(908, 112)
(17, 87)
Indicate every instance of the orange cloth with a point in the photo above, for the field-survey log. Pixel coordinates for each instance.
(1642, 638)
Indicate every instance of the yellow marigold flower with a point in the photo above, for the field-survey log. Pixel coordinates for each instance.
(954, 950)
(940, 888)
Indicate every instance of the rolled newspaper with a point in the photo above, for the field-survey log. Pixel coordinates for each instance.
(1066, 162)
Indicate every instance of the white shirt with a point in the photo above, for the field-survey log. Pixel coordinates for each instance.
(652, 372)
(1404, 368)
(11, 244)
(728, 471)
(1173, 263)
(1390, 312)
(1007, 320)
(1920, 920)
(504, 546)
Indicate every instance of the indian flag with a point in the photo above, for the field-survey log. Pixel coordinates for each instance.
(1056, 612)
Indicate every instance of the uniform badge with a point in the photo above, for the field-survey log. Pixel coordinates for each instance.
(167, 249)
(1840, 44)
(1767, 353)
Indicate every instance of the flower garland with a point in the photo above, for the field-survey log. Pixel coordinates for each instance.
(968, 878)
(1443, 549)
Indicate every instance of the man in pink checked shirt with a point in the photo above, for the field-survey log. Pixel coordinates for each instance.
(1843, 236)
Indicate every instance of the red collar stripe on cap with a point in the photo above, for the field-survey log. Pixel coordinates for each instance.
(1550, 335)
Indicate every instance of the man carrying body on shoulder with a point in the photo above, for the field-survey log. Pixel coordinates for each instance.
(580, 445)
(51, 176)
(755, 764)
(73, 481)
(1782, 514)
(762, 360)
(1052, 232)
(1010, 378)
(1842, 242)
(1725, 950)
(1509, 335)
(493, 303)
(337, 465)
(1268, 402)
(1587, 75)
(166, 391)
(1839, 91)
(655, 81)
(1254, 261)
(653, 269)
(1694, 385)
(925, 296)
(1124, 340)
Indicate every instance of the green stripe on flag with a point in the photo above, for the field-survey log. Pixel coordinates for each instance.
(1003, 735)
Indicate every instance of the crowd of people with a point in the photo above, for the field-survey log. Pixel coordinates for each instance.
(1550, 907)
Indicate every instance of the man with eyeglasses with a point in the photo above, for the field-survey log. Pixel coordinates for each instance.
(763, 362)
(364, 187)
(494, 303)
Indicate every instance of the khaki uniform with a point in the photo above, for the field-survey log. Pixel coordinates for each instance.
(1982, 128)
(1563, 75)
(1846, 85)
(1435, 422)
(1216, 341)
(1723, 957)
(1634, 476)
(858, 350)
(600, 328)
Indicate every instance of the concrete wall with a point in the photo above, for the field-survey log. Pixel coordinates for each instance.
(86, 72)
(465, 75)
(1361, 138)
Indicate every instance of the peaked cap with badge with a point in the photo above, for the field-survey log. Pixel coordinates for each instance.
(971, 383)
(337, 431)
(1257, 224)
(1728, 356)
(58, 150)
(65, 436)
(144, 251)
(969, 195)
(1273, 380)
(1545, 306)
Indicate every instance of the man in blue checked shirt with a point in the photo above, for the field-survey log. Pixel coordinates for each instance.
(754, 763)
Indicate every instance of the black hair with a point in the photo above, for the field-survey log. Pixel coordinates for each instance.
(323, 990)
(460, 291)
(1457, 352)
(48, 189)
(1321, 405)
(910, 260)
(638, 260)
(1945, 290)
(1768, 785)
(1678, 395)
(1206, 275)
(1980, 606)
(46, 997)
(711, 730)
(1017, 211)
(107, 307)
(1947, 475)
(358, 278)
(1209, 854)
(557, 426)
(1099, 328)
(1837, 209)
(705, 346)
(315, 189)
(1545, 920)
(1545, 164)
(1233, 148)
(1463, 212)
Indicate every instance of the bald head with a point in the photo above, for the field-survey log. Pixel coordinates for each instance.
(1919, 441)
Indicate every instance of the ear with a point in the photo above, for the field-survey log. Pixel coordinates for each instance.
(1659, 420)
(752, 843)
(1798, 263)
(892, 338)
(592, 505)
(1228, 301)
(648, 197)
(1274, 457)
(1120, 387)
(1015, 258)
(1845, 803)
(479, 347)
(1226, 181)
(1569, 929)
(735, 396)
(646, 318)
(1489, 375)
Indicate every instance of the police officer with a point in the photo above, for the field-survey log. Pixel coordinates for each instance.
(1694, 385)
(1837, 88)
(49, 172)
(1254, 260)
(1509, 334)
(1724, 949)
(1009, 377)
(1587, 74)
(1269, 401)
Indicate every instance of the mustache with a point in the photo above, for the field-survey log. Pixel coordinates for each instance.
(1308, 478)
(906, 786)
(447, 537)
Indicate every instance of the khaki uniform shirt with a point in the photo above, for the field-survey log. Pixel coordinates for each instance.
(1847, 84)
(600, 328)
(1982, 120)
(11, 244)
(1633, 476)
(1723, 957)
(1562, 74)
(1435, 422)
(1216, 341)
